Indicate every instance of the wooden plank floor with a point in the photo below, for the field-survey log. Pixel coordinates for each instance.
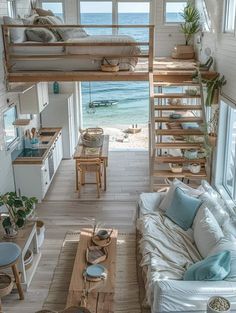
(62, 211)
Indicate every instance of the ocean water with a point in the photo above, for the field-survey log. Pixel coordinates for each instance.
(133, 97)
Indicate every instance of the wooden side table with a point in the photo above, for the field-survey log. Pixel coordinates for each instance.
(101, 297)
(25, 239)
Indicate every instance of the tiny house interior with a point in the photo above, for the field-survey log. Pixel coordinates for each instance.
(117, 156)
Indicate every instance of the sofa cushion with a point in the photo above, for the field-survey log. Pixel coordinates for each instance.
(40, 35)
(214, 267)
(149, 201)
(169, 195)
(17, 35)
(50, 20)
(42, 12)
(206, 231)
(227, 243)
(183, 209)
(214, 207)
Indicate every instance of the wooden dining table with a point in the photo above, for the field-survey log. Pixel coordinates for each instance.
(83, 152)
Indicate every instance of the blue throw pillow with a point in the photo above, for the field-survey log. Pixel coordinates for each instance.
(215, 267)
(183, 209)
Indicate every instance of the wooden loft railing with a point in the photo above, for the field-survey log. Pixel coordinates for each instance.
(51, 75)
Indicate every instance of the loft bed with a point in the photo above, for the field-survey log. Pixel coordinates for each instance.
(78, 59)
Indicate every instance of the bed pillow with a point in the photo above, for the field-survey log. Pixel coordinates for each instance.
(149, 201)
(206, 231)
(29, 20)
(17, 35)
(42, 12)
(229, 227)
(183, 209)
(40, 35)
(70, 33)
(51, 20)
(169, 195)
(215, 267)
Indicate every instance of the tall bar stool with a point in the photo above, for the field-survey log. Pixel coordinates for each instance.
(84, 166)
(9, 255)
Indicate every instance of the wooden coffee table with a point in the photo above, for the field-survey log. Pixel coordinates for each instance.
(101, 297)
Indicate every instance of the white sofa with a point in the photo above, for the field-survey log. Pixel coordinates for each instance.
(167, 251)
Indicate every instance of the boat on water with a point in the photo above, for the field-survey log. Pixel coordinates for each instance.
(102, 103)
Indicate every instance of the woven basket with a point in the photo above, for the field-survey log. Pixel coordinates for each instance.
(6, 284)
(92, 137)
(106, 66)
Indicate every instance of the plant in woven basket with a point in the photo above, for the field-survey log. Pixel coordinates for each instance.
(18, 209)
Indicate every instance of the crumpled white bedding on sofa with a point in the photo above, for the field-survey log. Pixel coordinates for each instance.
(167, 250)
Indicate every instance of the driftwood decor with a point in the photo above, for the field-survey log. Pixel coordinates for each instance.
(96, 254)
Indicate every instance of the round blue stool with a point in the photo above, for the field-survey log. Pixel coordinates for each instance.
(9, 255)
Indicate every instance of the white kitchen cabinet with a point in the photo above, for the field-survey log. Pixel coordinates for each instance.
(34, 99)
(60, 113)
(57, 151)
(32, 180)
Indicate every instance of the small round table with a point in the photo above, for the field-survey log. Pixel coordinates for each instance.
(9, 255)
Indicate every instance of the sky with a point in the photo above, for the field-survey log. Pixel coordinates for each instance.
(106, 7)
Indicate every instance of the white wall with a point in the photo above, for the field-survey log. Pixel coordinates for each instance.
(223, 46)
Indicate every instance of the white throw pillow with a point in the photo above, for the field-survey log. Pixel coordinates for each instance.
(229, 227)
(166, 202)
(149, 201)
(72, 33)
(17, 35)
(206, 231)
(214, 207)
(229, 244)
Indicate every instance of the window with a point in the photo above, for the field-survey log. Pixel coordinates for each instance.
(229, 178)
(173, 10)
(229, 20)
(10, 132)
(131, 13)
(57, 7)
(98, 13)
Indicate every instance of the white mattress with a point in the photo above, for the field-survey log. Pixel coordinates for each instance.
(89, 60)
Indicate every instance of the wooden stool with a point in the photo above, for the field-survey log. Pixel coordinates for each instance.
(84, 166)
(9, 255)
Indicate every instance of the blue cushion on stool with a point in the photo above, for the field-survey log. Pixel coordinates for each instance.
(9, 253)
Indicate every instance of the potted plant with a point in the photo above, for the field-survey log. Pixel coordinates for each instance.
(18, 208)
(212, 127)
(189, 28)
(214, 87)
(218, 304)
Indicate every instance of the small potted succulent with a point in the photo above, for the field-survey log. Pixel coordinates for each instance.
(18, 209)
(218, 305)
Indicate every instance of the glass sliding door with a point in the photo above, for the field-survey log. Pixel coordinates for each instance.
(96, 13)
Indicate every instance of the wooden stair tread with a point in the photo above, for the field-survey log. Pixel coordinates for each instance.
(178, 120)
(185, 83)
(176, 159)
(178, 145)
(184, 107)
(175, 95)
(179, 132)
(184, 174)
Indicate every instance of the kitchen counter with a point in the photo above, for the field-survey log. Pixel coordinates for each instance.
(43, 138)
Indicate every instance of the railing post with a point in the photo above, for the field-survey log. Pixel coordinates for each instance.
(151, 49)
(6, 37)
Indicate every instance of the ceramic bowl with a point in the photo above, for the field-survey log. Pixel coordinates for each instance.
(102, 234)
(194, 168)
(191, 154)
(211, 310)
(175, 115)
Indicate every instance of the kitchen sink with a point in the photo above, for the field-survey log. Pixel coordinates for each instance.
(47, 133)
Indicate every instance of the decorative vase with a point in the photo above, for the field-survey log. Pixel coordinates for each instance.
(56, 88)
(191, 154)
(40, 232)
(194, 168)
(10, 232)
(212, 140)
(218, 304)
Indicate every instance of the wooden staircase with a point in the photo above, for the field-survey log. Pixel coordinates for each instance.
(171, 137)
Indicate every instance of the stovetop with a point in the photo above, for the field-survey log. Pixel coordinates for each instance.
(32, 153)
